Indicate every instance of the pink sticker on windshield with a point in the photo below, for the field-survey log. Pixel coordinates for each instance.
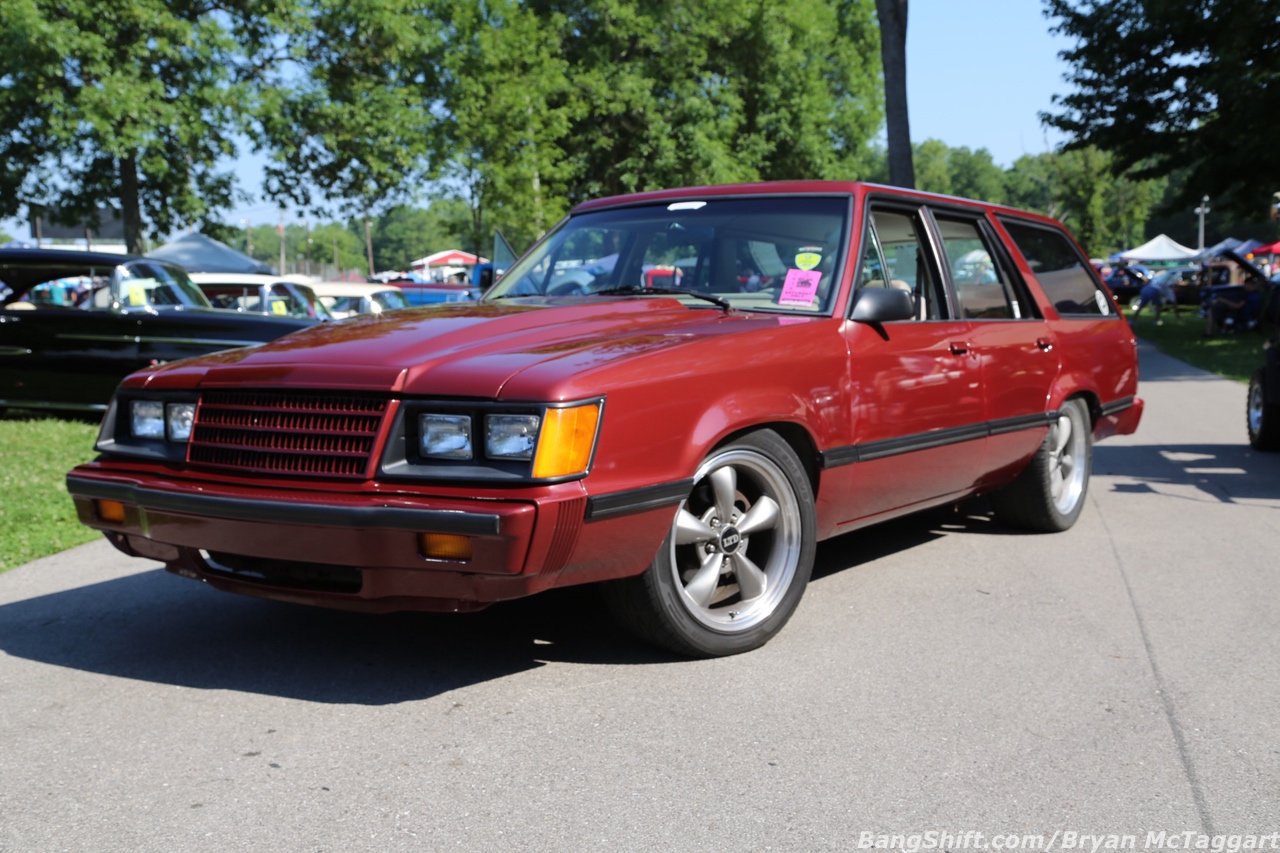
(799, 288)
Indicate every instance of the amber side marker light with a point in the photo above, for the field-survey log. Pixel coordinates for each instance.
(444, 546)
(564, 445)
(112, 511)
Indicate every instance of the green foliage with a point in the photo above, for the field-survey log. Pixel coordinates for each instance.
(5, 238)
(351, 112)
(406, 233)
(37, 517)
(1165, 85)
(1106, 212)
(133, 102)
(547, 104)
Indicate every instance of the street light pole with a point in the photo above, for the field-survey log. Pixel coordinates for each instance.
(1201, 211)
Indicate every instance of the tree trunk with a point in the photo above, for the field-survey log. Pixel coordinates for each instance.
(893, 55)
(130, 206)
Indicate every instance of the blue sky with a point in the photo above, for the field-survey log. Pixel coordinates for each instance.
(978, 73)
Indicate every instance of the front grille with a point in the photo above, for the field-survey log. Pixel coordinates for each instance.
(314, 434)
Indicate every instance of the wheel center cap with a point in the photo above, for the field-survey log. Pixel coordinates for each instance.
(730, 540)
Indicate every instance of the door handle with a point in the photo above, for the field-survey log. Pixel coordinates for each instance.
(959, 347)
(1044, 344)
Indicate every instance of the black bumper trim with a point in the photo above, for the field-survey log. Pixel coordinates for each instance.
(1116, 406)
(281, 512)
(637, 500)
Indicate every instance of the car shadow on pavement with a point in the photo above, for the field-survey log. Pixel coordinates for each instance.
(155, 627)
(1224, 473)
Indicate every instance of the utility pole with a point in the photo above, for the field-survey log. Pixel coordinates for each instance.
(280, 229)
(337, 271)
(368, 243)
(306, 224)
(1201, 211)
(248, 237)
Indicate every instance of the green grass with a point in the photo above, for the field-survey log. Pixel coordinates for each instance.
(1182, 336)
(37, 517)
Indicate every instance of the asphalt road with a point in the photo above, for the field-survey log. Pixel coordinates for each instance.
(940, 674)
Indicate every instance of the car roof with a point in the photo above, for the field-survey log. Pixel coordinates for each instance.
(23, 269)
(235, 278)
(802, 188)
(349, 288)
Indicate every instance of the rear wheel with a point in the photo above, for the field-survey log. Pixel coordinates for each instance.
(1049, 495)
(1263, 418)
(736, 560)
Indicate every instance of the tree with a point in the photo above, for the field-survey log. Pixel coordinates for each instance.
(892, 15)
(406, 233)
(1106, 212)
(1168, 85)
(134, 104)
(347, 116)
(549, 103)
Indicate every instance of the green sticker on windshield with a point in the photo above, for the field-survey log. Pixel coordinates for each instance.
(809, 257)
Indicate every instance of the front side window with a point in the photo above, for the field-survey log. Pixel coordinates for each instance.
(1063, 273)
(767, 254)
(902, 262)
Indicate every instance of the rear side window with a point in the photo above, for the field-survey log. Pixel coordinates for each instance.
(1062, 271)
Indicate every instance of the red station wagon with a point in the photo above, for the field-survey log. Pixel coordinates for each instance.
(813, 358)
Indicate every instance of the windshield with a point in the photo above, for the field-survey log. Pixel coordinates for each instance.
(389, 300)
(157, 285)
(768, 254)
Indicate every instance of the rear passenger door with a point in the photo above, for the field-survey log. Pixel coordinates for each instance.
(917, 422)
(1015, 349)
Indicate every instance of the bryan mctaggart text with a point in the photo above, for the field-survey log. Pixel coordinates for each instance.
(1067, 840)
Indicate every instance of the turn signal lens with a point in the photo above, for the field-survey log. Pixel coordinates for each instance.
(444, 546)
(568, 436)
(112, 511)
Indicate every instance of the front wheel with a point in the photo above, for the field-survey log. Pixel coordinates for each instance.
(1263, 418)
(1049, 494)
(736, 560)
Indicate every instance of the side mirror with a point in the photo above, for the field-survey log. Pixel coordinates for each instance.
(877, 305)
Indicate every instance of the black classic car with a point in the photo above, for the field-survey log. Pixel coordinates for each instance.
(73, 324)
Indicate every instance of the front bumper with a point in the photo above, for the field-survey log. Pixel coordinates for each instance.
(362, 551)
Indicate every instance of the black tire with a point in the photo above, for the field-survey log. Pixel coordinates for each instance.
(1049, 494)
(690, 599)
(1262, 417)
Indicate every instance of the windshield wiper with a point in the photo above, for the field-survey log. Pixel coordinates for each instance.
(664, 291)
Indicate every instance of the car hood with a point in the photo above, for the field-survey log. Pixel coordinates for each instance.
(470, 349)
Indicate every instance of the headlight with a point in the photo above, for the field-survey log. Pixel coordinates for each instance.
(179, 417)
(156, 419)
(510, 436)
(445, 436)
(147, 418)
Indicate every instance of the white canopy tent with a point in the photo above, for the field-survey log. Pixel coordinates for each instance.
(1162, 248)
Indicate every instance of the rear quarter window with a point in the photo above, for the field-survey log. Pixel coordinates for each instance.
(1063, 273)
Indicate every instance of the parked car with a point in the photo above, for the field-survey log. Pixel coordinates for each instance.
(257, 294)
(435, 292)
(69, 353)
(1184, 282)
(687, 446)
(307, 291)
(1126, 283)
(348, 298)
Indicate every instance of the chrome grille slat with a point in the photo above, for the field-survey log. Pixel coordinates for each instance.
(318, 434)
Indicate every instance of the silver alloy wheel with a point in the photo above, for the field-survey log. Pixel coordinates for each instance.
(1256, 404)
(1067, 449)
(736, 541)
